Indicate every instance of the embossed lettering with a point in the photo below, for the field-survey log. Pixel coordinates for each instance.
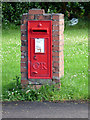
(39, 65)
(43, 66)
(36, 65)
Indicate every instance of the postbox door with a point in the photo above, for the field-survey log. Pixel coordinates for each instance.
(40, 64)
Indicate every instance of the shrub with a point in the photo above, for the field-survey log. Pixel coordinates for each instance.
(12, 11)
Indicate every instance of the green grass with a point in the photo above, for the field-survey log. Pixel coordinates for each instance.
(11, 55)
(75, 80)
(74, 84)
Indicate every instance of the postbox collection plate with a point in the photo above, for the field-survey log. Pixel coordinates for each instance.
(39, 45)
(39, 49)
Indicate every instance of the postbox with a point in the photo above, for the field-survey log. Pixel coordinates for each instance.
(40, 49)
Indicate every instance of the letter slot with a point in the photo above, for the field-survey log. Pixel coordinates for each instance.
(39, 31)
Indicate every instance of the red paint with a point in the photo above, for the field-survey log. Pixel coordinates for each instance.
(40, 64)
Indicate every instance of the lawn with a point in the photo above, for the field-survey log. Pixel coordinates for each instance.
(11, 55)
(74, 84)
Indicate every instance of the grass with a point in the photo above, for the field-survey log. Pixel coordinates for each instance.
(11, 55)
(74, 84)
(75, 80)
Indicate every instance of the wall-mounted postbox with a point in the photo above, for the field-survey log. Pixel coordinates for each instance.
(40, 49)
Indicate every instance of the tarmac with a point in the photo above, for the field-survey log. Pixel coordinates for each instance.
(27, 109)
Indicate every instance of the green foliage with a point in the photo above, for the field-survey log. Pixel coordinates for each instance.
(45, 93)
(12, 12)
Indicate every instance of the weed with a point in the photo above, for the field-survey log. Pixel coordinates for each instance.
(17, 80)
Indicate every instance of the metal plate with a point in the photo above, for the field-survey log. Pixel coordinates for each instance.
(39, 45)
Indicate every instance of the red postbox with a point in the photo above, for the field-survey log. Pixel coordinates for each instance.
(40, 49)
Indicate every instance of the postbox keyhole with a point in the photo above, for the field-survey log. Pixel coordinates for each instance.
(35, 57)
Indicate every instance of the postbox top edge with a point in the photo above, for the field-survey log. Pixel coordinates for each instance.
(39, 20)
